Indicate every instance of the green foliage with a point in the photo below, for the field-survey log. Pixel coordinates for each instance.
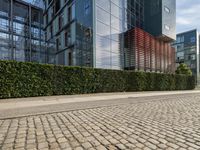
(184, 69)
(19, 79)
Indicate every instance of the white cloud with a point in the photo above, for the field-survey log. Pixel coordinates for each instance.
(188, 15)
(182, 21)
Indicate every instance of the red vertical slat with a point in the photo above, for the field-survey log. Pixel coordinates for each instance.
(150, 53)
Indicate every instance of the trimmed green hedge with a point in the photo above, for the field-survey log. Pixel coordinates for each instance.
(18, 79)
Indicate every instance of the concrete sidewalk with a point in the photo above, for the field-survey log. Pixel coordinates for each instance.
(7, 104)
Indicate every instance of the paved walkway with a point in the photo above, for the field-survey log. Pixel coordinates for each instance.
(150, 122)
(10, 108)
(52, 100)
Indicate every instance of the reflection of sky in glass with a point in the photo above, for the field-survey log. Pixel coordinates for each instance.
(38, 3)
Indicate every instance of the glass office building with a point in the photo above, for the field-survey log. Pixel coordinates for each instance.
(187, 50)
(113, 19)
(69, 28)
(21, 34)
(90, 32)
(93, 33)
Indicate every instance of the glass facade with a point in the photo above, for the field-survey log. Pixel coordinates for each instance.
(113, 19)
(5, 37)
(93, 30)
(84, 33)
(21, 34)
(187, 50)
(92, 33)
(69, 26)
(109, 30)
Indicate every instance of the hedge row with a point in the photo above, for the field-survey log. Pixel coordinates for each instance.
(18, 79)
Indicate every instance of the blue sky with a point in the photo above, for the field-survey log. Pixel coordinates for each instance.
(188, 15)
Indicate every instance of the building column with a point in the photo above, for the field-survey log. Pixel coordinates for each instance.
(30, 33)
(94, 33)
(11, 30)
(40, 56)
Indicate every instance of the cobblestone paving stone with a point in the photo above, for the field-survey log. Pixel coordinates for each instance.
(167, 124)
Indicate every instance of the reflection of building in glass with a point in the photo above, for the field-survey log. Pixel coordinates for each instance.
(94, 32)
(113, 19)
(21, 34)
(187, 50)
(69, 26)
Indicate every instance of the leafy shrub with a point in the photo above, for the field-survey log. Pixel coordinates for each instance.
(19, 79)
(183, 69)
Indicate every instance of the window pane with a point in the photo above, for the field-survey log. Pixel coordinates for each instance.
(103, 29)
(103, 16)
(105, 4)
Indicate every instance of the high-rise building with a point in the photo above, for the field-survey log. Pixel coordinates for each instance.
(187, 50)
(102, 33)
(110, 34)
(160, 19)
(22, 37)
(149, 49)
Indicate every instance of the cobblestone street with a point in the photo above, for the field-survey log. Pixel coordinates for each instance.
(162, 122)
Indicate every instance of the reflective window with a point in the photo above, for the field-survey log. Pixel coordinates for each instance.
(5, 53)
(193, 39)
(35, 32)
(19, 28)
(35, 45)
(110, 27)
(5, 8)
(57, 5)
(35, 17)
(103, 29)
(115, 10)
(71, 12)
(61, 58)
(180, 39)
(4, 24)
(115, 46)
(103, 43)
(103, 16)
(4, 39)
(61, 21)
(20, 12)
(118, 2)
(115, 34)
(116, 23)
(87, 7)
(193, 57)
(103, 59)
(24, 35)
(104, 4)
(116, 64)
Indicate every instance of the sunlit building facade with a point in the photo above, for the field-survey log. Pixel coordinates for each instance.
(113, 18)
(22, 37)
(148, 47)
(90, 32)
(93, 33)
